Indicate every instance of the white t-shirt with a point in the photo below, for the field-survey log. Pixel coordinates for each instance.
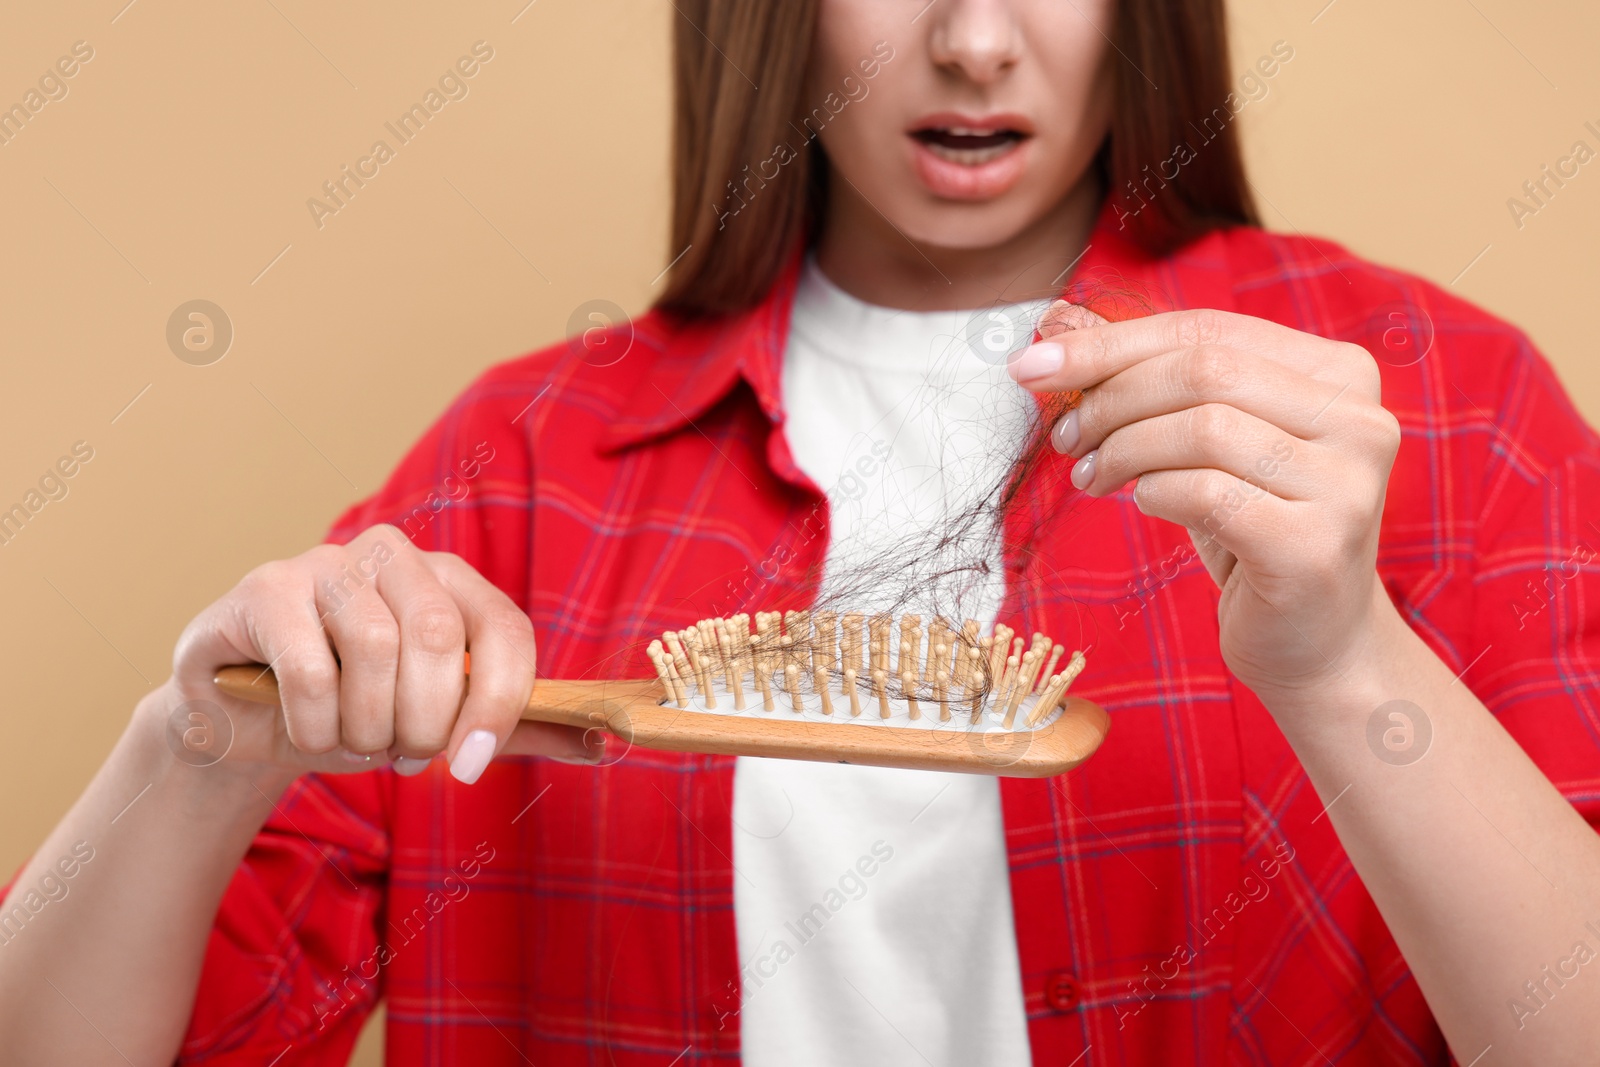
(873, 906)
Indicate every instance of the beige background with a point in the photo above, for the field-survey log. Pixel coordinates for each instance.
(179, 164)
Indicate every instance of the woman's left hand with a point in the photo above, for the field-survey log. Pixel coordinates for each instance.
(1271, 448)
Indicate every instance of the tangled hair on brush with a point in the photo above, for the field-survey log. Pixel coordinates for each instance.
(930, 580)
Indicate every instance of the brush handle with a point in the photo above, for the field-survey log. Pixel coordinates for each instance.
(634, 710)
(580, 704)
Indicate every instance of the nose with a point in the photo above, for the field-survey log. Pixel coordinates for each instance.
(978, 39)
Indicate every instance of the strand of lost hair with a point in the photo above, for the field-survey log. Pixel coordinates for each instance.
(801, 651)
(811, 653)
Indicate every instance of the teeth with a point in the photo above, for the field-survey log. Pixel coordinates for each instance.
(970, 157)
(970, 131)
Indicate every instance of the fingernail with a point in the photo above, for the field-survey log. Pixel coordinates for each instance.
(473, 756)
(1083, 471)
(355, 757)
(1065, 437)
(594, 753)
(407, 766)
(1050, 323)
(1038, 360)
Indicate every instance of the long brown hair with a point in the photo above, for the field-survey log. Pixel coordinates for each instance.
(740, 150)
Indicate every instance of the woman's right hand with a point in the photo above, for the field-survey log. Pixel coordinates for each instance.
(367, 641)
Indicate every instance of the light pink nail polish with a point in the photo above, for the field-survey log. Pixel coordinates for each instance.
(1083, 471)
(1038, 360)
(407, 766)
(473, 756)
(1066, 435)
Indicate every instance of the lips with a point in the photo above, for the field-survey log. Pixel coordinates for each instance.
(964, 157)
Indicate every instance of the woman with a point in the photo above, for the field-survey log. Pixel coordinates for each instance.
(1347, 644)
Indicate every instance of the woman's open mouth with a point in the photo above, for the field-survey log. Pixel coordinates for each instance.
(961, 157)
(968, 146)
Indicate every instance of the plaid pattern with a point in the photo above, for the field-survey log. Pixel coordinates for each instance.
(1181, 879)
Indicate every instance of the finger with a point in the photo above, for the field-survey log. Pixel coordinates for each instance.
(503, 657)
(1044, 359)
(367, 640)
(1218, 561)
(565, 743)
(1063, 315)
(1211, 435)
(430, 674)
(1235, 515)
(1188, 378)
(1091, 354)
(280, 624)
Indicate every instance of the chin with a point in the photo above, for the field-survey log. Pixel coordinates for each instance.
(967, 226)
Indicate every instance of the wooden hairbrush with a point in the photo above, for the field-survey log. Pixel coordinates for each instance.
(830, 688)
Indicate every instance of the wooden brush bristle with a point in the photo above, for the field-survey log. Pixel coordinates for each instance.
(914, 671)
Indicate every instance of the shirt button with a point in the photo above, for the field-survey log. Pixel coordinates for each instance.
(1061, 991)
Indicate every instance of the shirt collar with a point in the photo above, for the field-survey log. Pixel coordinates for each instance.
(699, 362)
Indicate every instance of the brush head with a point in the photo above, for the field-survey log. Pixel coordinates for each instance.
(899, 673)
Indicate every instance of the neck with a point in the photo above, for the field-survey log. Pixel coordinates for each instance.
(862, 253)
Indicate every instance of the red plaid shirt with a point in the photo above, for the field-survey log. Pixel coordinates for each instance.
(1178, 899)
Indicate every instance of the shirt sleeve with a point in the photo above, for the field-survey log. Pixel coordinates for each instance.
(290, 971)
(293, 965)
(466, 486)
(1533, 654)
